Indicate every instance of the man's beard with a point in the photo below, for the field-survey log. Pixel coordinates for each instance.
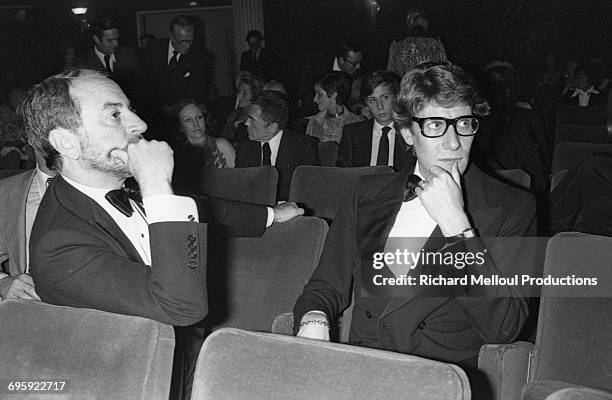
(102, 159)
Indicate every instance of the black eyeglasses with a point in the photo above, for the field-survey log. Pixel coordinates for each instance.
(433, 127)
(353, 63)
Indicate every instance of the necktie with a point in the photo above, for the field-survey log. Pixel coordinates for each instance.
(266, 154)
(383, 147)
(411, 185)
(173, 59)
(107, 63)
(120, 199)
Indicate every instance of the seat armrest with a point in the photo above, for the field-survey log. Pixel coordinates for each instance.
(580, 393)
(283, 324)
(506, 368)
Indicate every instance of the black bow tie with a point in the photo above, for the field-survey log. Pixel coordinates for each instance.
(120, 199)
(411, 185)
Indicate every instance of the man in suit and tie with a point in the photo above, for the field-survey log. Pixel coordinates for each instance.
(176, 68)
(120, 62)
(375, 141)
(272, 144)
(20, 196)
(455, 214)
(257, 60)
(94, 244)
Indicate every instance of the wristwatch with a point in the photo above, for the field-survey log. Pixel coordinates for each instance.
(464, 235)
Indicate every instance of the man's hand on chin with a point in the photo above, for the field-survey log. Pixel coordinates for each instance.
(285, 211)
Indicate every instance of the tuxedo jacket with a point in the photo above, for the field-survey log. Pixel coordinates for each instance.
(80, 257)
(434, 322)
(294, 150)
(264, 66)
(13, 197)
(356, 146)
(186, 79)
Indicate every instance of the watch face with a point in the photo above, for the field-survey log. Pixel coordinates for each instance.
(468, 233)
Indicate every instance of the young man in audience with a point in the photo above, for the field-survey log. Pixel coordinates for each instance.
(94, 244)
(20, 196)
(375, 141)
(455, 210)
(272, 144)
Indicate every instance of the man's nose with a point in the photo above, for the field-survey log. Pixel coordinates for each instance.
(451, 139)
(379, 104)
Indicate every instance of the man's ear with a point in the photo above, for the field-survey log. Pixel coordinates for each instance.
(273, 127)
(407, 135)
(66, 143)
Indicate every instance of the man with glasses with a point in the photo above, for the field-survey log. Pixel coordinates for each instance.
(348, 58)
(441, 219)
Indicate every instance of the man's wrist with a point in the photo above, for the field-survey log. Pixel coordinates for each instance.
(155, 188)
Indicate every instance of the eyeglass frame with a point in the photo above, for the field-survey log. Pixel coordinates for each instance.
(353, 63)
(449, 122)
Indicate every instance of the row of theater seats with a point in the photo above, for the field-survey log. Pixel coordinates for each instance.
(108, 356)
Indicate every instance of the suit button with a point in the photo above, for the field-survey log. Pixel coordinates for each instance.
(193, 254)
(422, 325)
(356, 342)
(191, 238)
(193, 265)
(368, 315)
(192, 246)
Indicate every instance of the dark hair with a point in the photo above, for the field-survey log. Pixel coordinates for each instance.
(253, 81)
(446, 84)
(102, 24)
(379, 78)
(254, 34)
(49, 105)
(336, 82)
(344, 48)
(182, 21)
(149, 36)
(178, 107)
(273, 107)
(502, 87)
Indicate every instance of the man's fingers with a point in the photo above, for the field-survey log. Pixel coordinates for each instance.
(120, 154)
(29, 293)
(456, 174)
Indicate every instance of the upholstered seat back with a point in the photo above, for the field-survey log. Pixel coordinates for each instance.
(255, 185)
(100, 355)
(235, 364)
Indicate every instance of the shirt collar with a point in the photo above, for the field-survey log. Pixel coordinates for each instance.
(275, 141)
(171, 51)
(101, 55)
(336, 66)
(97, 195)
(378, 128)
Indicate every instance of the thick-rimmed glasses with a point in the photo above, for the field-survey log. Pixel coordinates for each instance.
(433, 127)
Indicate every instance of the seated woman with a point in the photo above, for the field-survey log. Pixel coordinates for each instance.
(194, 149)
(249, 86)
(391, 237)
(331, 92)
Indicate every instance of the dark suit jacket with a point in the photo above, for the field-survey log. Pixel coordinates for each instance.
(447, 325)
(294, 150)
(356, 146)
(187, 79)
(81, 258)
(264, 66)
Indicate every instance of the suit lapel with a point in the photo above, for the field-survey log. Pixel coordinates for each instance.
(96, 216)
(364, 144)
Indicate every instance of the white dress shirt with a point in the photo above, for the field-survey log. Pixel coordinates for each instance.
(171, 52)
(274, 145)
(159, 208)
(101, 57)
(376, 135)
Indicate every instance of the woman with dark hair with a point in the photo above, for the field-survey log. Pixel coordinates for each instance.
(248, 86)
(331, 92)
(194, 149)
(417, 48)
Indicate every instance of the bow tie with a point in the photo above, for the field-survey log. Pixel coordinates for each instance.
(411, 185)
(120, 199)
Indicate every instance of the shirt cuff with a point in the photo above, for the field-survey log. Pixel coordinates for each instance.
(270, 219)
(3, 275)
(168, 207)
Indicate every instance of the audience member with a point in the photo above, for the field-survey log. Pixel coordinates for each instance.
(177, 69)
(92, 245)
(12, 136)
(194, 148)
(331, 91)
(583, 93)
(457, 209)
(68, 53)
(258, 60)
(417, 48)
(272, 144)
(20, 195)
(249, 86)
(375, 141)
(347, 59)
(146, 40)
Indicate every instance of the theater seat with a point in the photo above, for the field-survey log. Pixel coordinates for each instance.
(255, 185)
(319, 190)
(573, 347)
(580, 394)
(236, 364)
(99, 355)
(258, 278)
(567, 155)
(516, 177)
